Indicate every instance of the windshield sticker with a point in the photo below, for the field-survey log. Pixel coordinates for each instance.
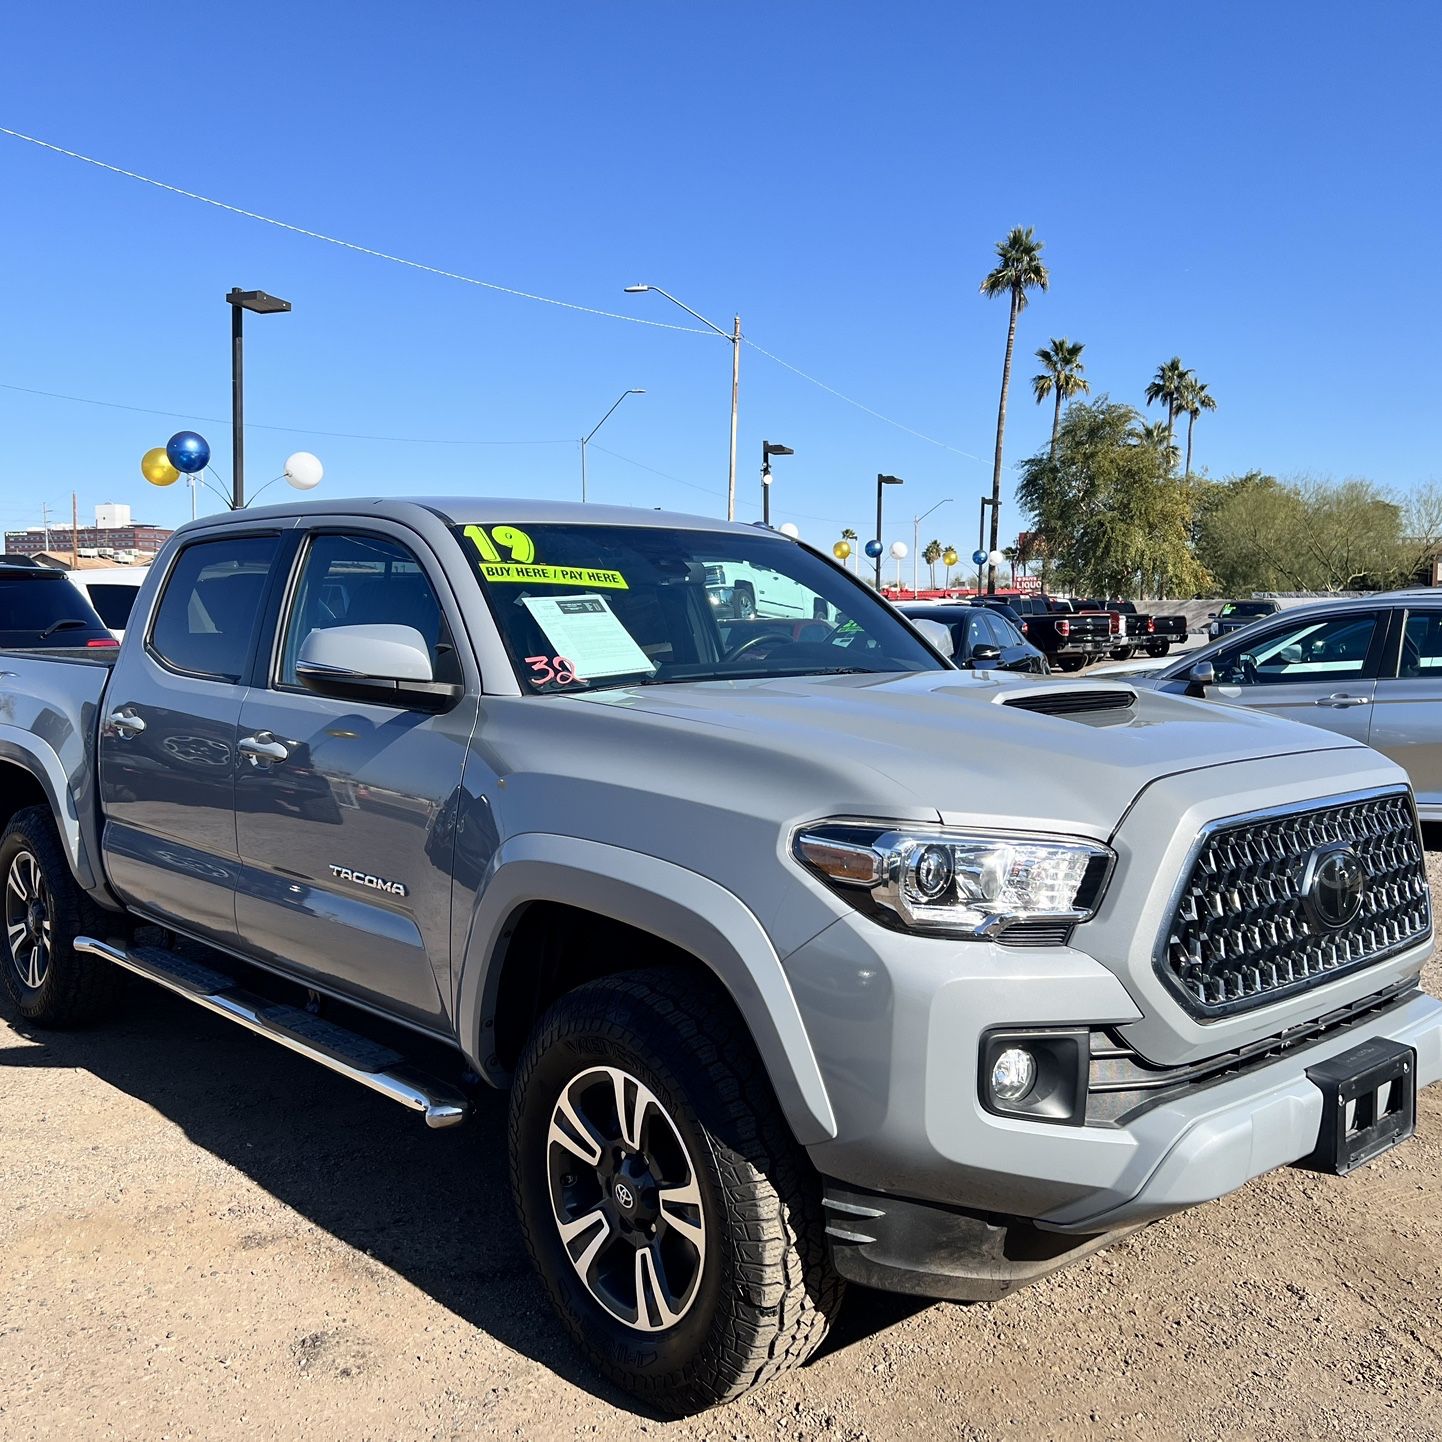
(586, 631)
(553, 575)
(519, 569)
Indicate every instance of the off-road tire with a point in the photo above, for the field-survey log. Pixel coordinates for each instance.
(75, 988)
(768, 1291)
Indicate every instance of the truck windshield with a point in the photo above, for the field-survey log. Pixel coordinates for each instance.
(582, 607)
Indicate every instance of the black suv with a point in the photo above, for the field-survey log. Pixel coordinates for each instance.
(40, 608)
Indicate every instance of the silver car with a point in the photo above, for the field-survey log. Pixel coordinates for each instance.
(1369, 667)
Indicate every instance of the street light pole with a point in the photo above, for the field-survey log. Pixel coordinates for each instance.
(880, 482)
(734, 336)
(916, 540)
(585, 440)
(767, 451)
(262, 304)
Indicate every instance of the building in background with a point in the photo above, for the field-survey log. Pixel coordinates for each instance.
(114, 537)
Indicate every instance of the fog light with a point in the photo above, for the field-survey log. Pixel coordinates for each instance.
(1013, 1074)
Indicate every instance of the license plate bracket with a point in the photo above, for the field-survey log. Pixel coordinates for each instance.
(1369, 1104)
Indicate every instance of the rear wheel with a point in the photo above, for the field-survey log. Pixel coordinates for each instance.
(1069, 663)
(44, 911)
(674, 1220)
(1158, 648)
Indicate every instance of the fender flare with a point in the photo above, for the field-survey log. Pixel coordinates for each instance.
(24, 749)
(668, 901)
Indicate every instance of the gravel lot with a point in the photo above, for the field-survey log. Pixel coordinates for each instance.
(203, 1236)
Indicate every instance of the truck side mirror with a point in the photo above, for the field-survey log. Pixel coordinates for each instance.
(383, 663)
(938, 636)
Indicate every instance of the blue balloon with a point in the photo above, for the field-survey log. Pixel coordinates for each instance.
(188, 452)
(873, 549)
(978, 558)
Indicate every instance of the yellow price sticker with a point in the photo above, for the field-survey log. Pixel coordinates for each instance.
(509, 571)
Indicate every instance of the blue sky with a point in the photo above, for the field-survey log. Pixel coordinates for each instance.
(1256, 191)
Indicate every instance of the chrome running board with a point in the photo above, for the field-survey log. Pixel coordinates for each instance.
(339, 1050)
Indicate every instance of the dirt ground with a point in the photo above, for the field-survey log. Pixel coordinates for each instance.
(204, 1236)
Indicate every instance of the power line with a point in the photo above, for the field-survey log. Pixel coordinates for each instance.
(468, 280)
(665, 476)
(343, 244)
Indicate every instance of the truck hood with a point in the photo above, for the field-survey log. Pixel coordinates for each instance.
(955, 742)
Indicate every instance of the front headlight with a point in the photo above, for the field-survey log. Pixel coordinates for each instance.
(958, 883)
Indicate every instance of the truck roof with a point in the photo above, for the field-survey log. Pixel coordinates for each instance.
(480, 510)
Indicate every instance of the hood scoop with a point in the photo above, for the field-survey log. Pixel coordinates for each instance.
(1050, 700)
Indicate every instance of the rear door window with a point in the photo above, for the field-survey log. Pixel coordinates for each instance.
(1422, 646)
(206, 619)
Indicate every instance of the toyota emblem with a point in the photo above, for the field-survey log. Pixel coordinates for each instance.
(1333, 884)
(624, 1198)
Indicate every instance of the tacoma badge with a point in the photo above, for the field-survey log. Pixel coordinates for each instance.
(362, 878)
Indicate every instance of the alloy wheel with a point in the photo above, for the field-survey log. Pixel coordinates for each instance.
(28, 920)
(626, 1198)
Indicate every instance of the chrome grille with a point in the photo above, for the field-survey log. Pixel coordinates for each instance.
(1241, 934)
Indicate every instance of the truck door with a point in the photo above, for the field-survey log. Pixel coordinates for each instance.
(342, 808)
(167, 738)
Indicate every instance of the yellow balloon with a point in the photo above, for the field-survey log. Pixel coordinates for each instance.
(156, 468)
(949, 556)
(841, 550)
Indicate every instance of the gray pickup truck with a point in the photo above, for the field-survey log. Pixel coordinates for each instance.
(805, 956)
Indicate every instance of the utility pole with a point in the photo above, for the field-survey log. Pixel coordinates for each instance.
(74, 532)
(45, 522)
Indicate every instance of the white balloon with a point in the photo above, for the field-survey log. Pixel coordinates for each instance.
(789, 528)
(898, 550)
(304, 471)
(995, 558)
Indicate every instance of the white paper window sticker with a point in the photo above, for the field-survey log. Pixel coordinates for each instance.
(589, 635)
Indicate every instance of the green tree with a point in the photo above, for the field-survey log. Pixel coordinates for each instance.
(1018, 270)
(1168, 386)
(931, 554)
(1156, 435)
(1115, 518)
(1062, 375)
(1195, 399)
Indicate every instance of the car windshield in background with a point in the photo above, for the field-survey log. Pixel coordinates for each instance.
(113, 603)
(582, 607)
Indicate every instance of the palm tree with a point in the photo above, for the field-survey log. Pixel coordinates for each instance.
(849, 535)
(1167, 386)
(1195, 399)
(1062, 376)
(931, 555)
(1018, 269)
(1158, 435)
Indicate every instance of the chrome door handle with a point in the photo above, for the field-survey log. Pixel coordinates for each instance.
(263, 747)
(1340, 699)
(126, 723)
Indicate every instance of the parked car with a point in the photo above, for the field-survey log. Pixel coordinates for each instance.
(981, 637)
(112, 592)
(1143, 631)
(39, 607)
(1236, 614)
(1369, 667)
(803, 961)
(1067, 637)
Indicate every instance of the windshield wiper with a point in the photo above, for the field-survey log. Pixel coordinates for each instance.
(55, 626)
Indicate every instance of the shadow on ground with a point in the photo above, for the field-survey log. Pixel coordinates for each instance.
(434, 1206)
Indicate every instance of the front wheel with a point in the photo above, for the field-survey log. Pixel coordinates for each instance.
(49, 982)
(675, 1223)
